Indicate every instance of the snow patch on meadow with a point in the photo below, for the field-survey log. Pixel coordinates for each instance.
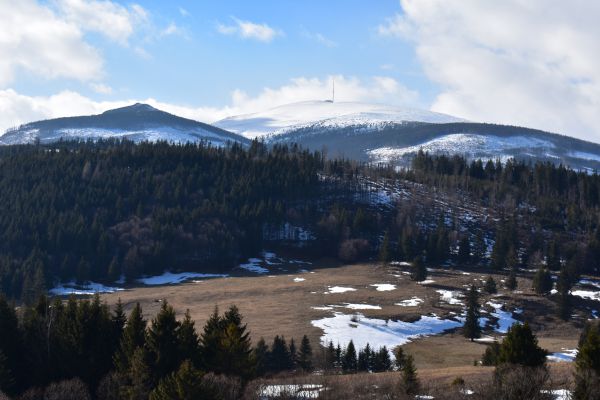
(88, 288)
(339, 289)
(170, 278)
(384, 287)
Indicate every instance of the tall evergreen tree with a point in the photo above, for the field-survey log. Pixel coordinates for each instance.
(162, 342)
(188, 340)
(542, 281)
(134, 336)
(349, 360)
(587, 365)
(464, 250)
(520, 346)
(419, 270)
(139, 376)
(471, 328)
(235, 347)
(305, 355)
(280, 355)
(410, 381)
(261, 357)
(490, 285)
(184, 384)
(384, 250)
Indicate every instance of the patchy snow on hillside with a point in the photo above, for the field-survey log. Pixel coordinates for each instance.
(566, 355)
(384, 287)
(505, 318)
(450, 297)
(170, 278)
(88, 288)
(339, 289)
(471, 145)
(412, 302)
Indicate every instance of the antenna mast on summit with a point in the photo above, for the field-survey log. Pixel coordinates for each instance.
(333, 91)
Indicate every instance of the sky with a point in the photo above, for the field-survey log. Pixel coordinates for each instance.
(533, 63)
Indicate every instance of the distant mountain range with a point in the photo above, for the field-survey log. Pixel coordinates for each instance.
(138, 122)
(360, 131)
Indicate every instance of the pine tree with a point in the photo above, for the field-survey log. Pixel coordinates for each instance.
(382, 361)
(364, 359)
(349, 360)
(187, 337)
(511, 281)
(384, 250)
(520, 346)
(235, 347)
(338, 356)
(419, 270)
(399, 357)
(587, 365)
(410, 380)
(490, 285)
(261, 357)
(293, 353)
(542, 281)
(305, 355)
(210, 341)
(134, 336)
(479, 247)
(471, 328)
(464, 250)
(280, 355)
(330, 356)
(119, 320)
(162, 342)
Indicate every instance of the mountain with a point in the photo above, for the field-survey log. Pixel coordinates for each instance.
(325, 115)
(138, 122)
(387, 134)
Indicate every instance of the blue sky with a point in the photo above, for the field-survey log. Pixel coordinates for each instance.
(534, 64)
(197, 65)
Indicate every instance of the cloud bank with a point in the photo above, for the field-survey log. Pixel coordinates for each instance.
(533, 63)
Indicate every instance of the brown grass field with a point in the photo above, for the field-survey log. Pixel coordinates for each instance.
(276, 304)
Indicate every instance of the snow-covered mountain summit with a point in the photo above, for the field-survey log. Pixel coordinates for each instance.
(325, 115)
(137, 122)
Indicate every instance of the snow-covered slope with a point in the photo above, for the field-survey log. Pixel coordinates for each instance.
(325, 115)
(138, 122)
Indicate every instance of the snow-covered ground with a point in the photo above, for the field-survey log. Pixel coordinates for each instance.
(341, 328)
(450, 297)
(566, 355)
(339, 289)
(384, 287)
(505, 318)
(324, 115)
(471, 145)
(412, 302)
(361, 306)
(587, 294)
(169, 278)
(88, 288)
(301, 391)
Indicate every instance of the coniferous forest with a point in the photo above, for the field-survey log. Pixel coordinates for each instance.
(108, 210)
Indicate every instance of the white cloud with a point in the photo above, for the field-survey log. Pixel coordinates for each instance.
(35, 39)
(534, 63)
(319, 38)
(184, 12)
(249, 30)
(105, 17)
(101, 88)
(171, 30)
(16, 109)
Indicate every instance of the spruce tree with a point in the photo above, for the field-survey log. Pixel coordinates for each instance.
(162, 342)
(134, 336)
(139, 376)
(511, 281)
(330, 356)
(464, 250)
(235, 347)
(490, 285)
(471, 328)
(410, 380)
(119, 319)
(280, 359)
(261, 357)
(399, 357)
(587, 365)
(542, 281)
(210, 341)
(384, 250)
(520, 346)
(187, 337)
(364, 359)
(349, 359)
(419, 270)
(305, 355)
(293, 353)
(7, 381)
(382, 361)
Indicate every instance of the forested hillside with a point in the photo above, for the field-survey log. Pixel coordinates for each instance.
(99, 211)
